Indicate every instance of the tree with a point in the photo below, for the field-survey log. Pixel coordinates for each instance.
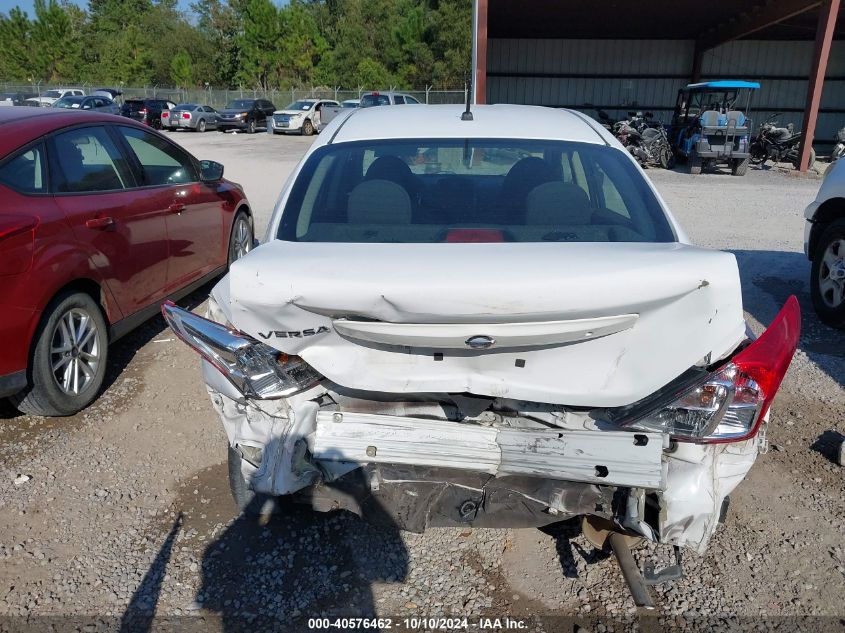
(15, 45)
(55, 52)
(257, 44)
(182, 69)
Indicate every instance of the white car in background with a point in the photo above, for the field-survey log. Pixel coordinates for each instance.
(305, 117)
(50, 97)
(452, 324)
(824, 244)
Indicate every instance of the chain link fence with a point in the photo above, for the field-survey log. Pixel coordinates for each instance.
(218, 98)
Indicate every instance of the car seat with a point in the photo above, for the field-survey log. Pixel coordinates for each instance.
(378, 202)
(525, 175)
(396, 170)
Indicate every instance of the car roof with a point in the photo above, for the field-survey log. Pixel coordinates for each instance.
(489, 121)
(31, 123)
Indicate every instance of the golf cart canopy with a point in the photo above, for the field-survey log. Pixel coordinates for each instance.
(717, 85)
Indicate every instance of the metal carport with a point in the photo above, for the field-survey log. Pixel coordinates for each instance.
(623, 55)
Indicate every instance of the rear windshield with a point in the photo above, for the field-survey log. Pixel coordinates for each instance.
(368, 101)
(133, 106)
(185, 106)
(472, 190)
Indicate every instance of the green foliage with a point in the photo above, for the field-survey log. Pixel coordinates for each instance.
(250, 43)
(182, 69)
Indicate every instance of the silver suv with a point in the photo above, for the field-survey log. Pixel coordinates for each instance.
(387, 98)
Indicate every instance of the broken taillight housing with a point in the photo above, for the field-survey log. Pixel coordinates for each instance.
(731, 402)
(255, 369)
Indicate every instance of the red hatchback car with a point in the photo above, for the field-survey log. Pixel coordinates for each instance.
(101, 220)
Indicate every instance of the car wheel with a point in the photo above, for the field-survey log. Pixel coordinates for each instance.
(156, 124)
(694, 163)
(739, 166)
(250, 127)
(201, 125)
(307, 128)
(69, 359)
(248, 502)
(241, 239)
(827, 280)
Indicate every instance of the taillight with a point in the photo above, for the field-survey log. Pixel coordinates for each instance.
(185, 115)
(730, 404)
(17, 234)
(255, 369)
(165, 115)
(143, 111)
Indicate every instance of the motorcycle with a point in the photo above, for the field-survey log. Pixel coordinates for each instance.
(778, 144)
(646, 140)
(839, 147)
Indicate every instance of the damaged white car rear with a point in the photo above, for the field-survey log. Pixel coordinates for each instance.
(466, 322)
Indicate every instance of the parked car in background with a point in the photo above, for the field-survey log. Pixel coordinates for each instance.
(245, 114)
(93, 240)
(100, 104)
(470, 323)
(824, 244)
(190, 116)
(387, 98)
(111, 93)
(305, 116)
(351, 103)
(51, 96)
(14, 98)
(146, 111)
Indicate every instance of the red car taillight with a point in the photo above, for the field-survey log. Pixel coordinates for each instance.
(165, 115)
(186, 115)
(730, 403)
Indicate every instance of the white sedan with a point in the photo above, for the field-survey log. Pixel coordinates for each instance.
(304, 117)
(453, 324)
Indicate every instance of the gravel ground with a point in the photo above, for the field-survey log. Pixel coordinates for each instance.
(123, 511)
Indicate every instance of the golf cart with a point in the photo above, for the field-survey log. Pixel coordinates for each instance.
(711, 124)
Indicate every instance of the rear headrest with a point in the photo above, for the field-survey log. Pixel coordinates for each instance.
(738, 116)
(379, 202)
(710, 118)
(557, 203)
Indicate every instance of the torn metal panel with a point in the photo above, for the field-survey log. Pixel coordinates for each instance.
(606, 457)
(679, 319)
(700, 477)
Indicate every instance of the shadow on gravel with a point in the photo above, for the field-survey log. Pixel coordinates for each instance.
(768, 278)
(564, 533)
(827, 444)
(124, 350)
(138, 617)
(261, 575)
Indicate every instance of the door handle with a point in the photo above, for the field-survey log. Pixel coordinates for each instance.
(99, 223)
(176, 207)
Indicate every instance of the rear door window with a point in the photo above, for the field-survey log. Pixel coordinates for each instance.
(25, 172)
(161, 163)
(88, 160)
(399, 100)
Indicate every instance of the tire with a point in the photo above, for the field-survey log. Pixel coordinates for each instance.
(739, 167)
(307, 128)
(694, 163)
(248, 502)
(201, 125)
(241, 238)
(758, 154)
(667, 158)
(45, 396)
(828, 305)
(250, 126)
(156, 124)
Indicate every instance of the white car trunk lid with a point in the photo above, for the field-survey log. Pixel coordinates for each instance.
(579, 324)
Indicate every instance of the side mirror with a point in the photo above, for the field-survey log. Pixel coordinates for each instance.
(211, 171)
